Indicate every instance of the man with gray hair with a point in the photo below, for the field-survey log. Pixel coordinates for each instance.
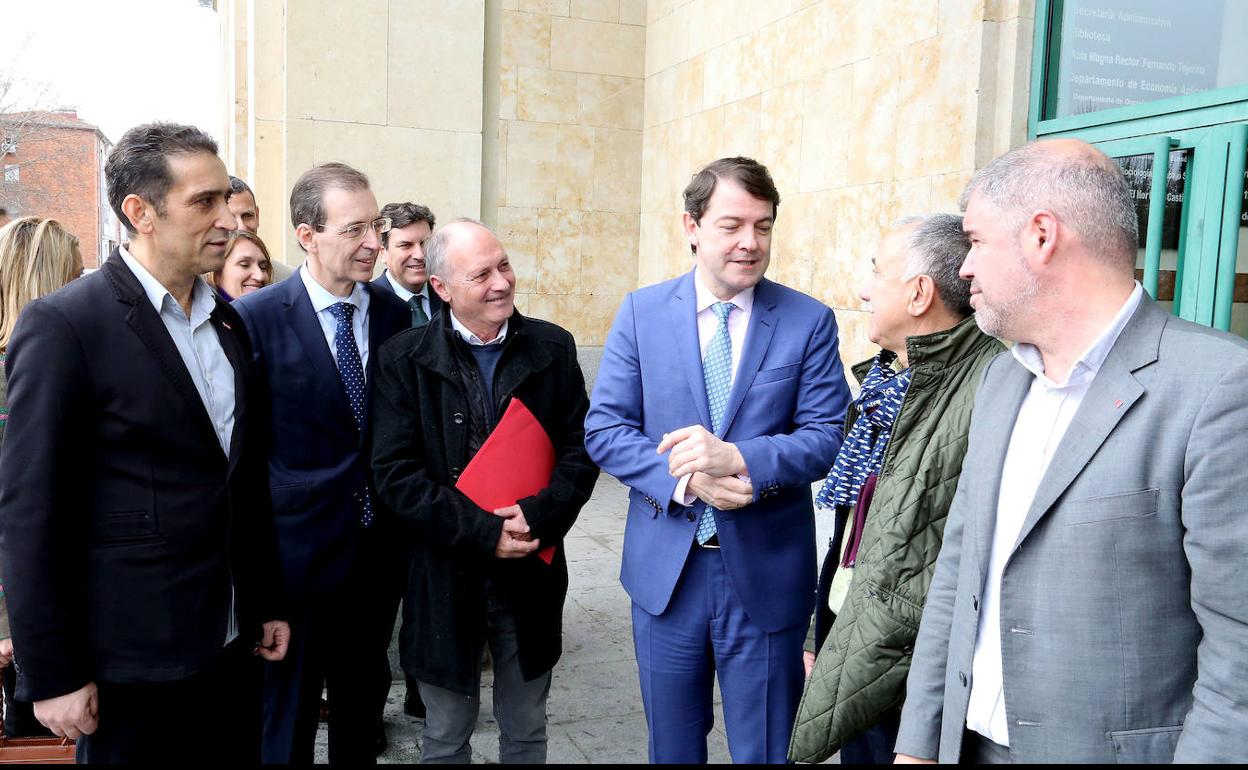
(890, 490)
(479, 576)
(316, 337)
(1087, 604)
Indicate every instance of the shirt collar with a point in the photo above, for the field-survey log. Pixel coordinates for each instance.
(404, 293)
(473, 339)
(202, 303)
(743, 300)
(1091, 360)
(322, 298)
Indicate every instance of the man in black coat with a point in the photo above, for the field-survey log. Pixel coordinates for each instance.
(476, 577)
(140, 562)
(316, 337)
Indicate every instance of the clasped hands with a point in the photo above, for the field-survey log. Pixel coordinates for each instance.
(712, 465)
(515, 541)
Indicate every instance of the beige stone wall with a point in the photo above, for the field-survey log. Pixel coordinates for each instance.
(392, 87)
(567, 185)
(864, 110)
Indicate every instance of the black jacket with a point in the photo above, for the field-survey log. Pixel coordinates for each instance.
(124, 524)
(427, 425)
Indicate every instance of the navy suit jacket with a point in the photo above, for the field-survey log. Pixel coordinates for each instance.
(318, 458)
(784, 413)
(382, 283)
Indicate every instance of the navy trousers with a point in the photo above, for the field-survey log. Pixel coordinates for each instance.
(705, 631)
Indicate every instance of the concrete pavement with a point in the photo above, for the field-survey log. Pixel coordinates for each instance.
(594, 711)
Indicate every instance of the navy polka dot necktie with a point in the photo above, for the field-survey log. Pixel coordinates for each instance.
(352, 373)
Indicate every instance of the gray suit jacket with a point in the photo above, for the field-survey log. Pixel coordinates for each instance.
(1124, 609)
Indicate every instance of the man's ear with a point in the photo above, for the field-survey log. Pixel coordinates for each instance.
(440, 288)
(1041, 235)
(140, 213)
(691, 229)
(922, 295)
(304, 234)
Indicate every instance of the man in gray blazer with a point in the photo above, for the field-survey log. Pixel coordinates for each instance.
(1088, 604)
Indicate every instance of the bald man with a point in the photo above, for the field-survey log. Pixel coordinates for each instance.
(1087, 605)
(477, 577)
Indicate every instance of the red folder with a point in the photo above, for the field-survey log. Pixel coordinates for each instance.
(515, 462)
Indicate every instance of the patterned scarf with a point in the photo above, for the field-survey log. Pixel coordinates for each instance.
(862, 452)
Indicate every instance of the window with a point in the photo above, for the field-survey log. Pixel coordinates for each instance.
(1161, 87)
(12, 173)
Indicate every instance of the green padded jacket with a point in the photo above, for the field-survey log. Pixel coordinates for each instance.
(860, 672)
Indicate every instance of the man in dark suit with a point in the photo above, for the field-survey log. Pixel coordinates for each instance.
(140, 564)
(720, 398)
(406, 276)
(316, 335)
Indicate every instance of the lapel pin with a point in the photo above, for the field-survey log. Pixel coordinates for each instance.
(1118, 403)
(231, 328)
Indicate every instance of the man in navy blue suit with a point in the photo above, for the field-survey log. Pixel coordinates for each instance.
(315, 336)
(720, 398)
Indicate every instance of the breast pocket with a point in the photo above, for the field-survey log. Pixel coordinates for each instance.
(778, 373)
(1123, 505)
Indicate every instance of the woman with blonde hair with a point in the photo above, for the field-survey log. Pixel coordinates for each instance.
(37, 257)
(247, 267)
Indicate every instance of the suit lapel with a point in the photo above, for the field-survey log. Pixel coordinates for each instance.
(758, 335)
(238, 361)
(146, 323)
(1113, 392)
(683, 321)
(308, 331)
(1002, 412)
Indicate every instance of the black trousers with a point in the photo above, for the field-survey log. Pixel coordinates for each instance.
(212, 717)
(339, 641)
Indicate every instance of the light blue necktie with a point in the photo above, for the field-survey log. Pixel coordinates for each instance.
(717, 373)
(352, 373)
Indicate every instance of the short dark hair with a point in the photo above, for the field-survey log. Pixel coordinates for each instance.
(139, 163)
(239, 186)
(404, 214)
(307, 197)
(747, 172)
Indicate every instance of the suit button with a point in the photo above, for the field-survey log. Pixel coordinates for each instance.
(962, 678)
(458, 418)
(689, 516)
(908, 649)
(454, 474)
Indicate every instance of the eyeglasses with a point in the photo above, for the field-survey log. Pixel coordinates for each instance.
(356, 230)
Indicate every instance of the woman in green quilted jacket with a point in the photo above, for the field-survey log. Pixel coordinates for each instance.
(889, 491)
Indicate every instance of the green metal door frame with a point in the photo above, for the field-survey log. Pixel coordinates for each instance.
(1213, 125)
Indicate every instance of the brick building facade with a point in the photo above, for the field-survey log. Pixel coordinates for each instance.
(53, 166)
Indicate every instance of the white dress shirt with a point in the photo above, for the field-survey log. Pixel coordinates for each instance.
(322, 300)
(473, 339)
(1043, 418)
(708, 324)
(200, 349)
(405, 294)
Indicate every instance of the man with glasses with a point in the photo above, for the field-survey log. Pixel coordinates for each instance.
(316, 338)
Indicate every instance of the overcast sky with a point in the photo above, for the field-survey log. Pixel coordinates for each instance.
(118, 62)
